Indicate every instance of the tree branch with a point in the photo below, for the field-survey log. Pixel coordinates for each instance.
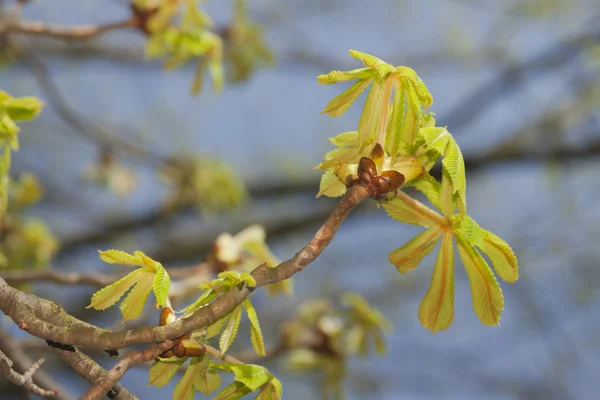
(46, 320)
(81, 32)
(25, 380)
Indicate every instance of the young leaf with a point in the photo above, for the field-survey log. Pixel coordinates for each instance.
(185, 388)
(119, 257)
(109, 295)
(412, 114)
(471, 231)
(369, 119)
(271, 391)
(256, 337)
(454, 163)
(394, 132)
(437, 308)
(161, 285)
(407, 257)
(330, 185)
(204, 299)
(340, 103)
(343, 76)
(207, 380)
(447, 202)
(488, 301)
(252, 376)
(346, 139)
(161, 372)
(436, 139)
(502, 257)
(215, 328)
(405, 209)
(233, 392)
(134, 302)
(238, 277)
(231, 329)
(377, 64)
(429, 186)
(22, 108)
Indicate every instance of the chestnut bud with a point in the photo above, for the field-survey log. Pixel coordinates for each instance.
(381, 185)
(366, 165)
(195, 351)
(396, 179)
(179, 350)
(167, 354)
(377, 154)
(166, 316)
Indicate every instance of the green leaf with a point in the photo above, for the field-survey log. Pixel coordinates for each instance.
(488, 301)
(256, 336)
(357, 340)
(454, 163)
(233, 392)
(339, 104)
(410, 255)
(343, 76)
(437, 308)
(339, 156)
(231, 329)
(369, 119)
(395, 126)
(199, 75)
(205, 298)
(238, 278)
(134, 302)
(412, 116)
(351, 138)
(377, 64)
(207, 380)
(161, 285)
(447, 201)
(405, 209)
(471, 231)
(271, 391)
(436, 139)
(109, 295)
(330, 185)
(185, 388)
(119, 257)
(429, 186)
(22, 108)
(417, 84)
(502, 256)
(252, 376)
(162, 372)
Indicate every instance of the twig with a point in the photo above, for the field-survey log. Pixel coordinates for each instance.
(81, 32)
(25, 380)
(44, 319)
(216, 353)
(114, 375)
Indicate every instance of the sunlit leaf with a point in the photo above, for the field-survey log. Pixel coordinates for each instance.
(231, 329)
(377, 64)
(271, 391)
(161, 372)
(351, 138)
(340, 103)
(369, 119)
(410, 255)
(161, 285)
(133, 304)
(207, 380)
(471, 231)
(330, 185)
(405, 209)
(256, 337)
(502, 256)
(109, 295)
(233, 392)
(437, 307)
(429, 186)
(185, 387)
(342, 76)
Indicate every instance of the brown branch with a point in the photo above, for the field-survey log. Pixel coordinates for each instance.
(26, 379)
(46, 320)
(81, 32)
(216, 353)
(106, 383)
(12, 349)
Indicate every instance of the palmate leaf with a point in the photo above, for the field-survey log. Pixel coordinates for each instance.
(351, 138)
(162, 372)
(429, 186)
(502, 257)
(373, 62)
(395, 126)
(417, 84)
(231, 329)
(256, 337)
(271, 391)
(436, 139)
(407, 257)
(343, 76)
(437, 307)
(454, 163)
(252, 376)
(185, 387)
(488, 301)
(330, 185)
(340, 103)
(151, 276)
(470, 230)
(369, 119)
(405, 209)
(412, 116)
(232, 392)
(207, 380)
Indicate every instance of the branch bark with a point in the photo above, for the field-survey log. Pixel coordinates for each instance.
(26, 379)
(81, 32)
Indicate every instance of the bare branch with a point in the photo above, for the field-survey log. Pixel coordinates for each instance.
(25, 380)
(81, 32)
(45, 319)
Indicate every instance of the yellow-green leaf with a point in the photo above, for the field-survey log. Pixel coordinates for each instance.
(271, 391)
(429, 186)
(340, 103)
(412, 112)
(252, 376)
(502, 256)
(109, 295)
(410, 255)
(134, 302)
(377, 64)
(351, 138)
(454, 163)
(256, 337)
(161, 372)
(369, 119)
(437, 308)
(22, 108)
(185, 387)
(231, 329)
(470, 230)
(161, 285)
(205, 298)
(232, 392)
(214, 329)
(119, 257)
(488, 301)
(436, 139)
(207, 380)
(330, 185)
(446, 201)
(405, 209)
(394, 130)
(343, 76)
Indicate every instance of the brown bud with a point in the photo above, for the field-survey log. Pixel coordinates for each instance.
(367, 165)
(185, 337)
(167, 354)
(365, 177)
(195, 351)
(381, 185)
(166, 316)
(396, 179)
(179, 350)
(377, 154)
(349, 181)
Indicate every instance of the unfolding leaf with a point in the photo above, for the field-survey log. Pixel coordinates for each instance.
(109, 295)
(405, 209)
(418, 85)
(207, 380)
(231, 329)
(271, 391)
(502, 256)
(412, 116)
(22, 108)
(339, 156)
(232, 392)
(377, 64)
(488, 301)
(134, 302)
(119, 257)
(330, 185)
(394, 130)
(185, 387)
(447, 200)
(238, 277)
(437, 308)
(454, 163)
(340, 103)
(214, 329)
(429, 186)
(346, 139)
(205, 298)
(343, 76)
(252, 376)
(369, 119)
(436, 139)
(407, 257)
(161, 285)
(161, 372)
(256, 336)
(470, 230)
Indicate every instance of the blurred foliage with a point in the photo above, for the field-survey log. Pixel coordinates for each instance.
(323, 335)
(202, 182)
(107, 172)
